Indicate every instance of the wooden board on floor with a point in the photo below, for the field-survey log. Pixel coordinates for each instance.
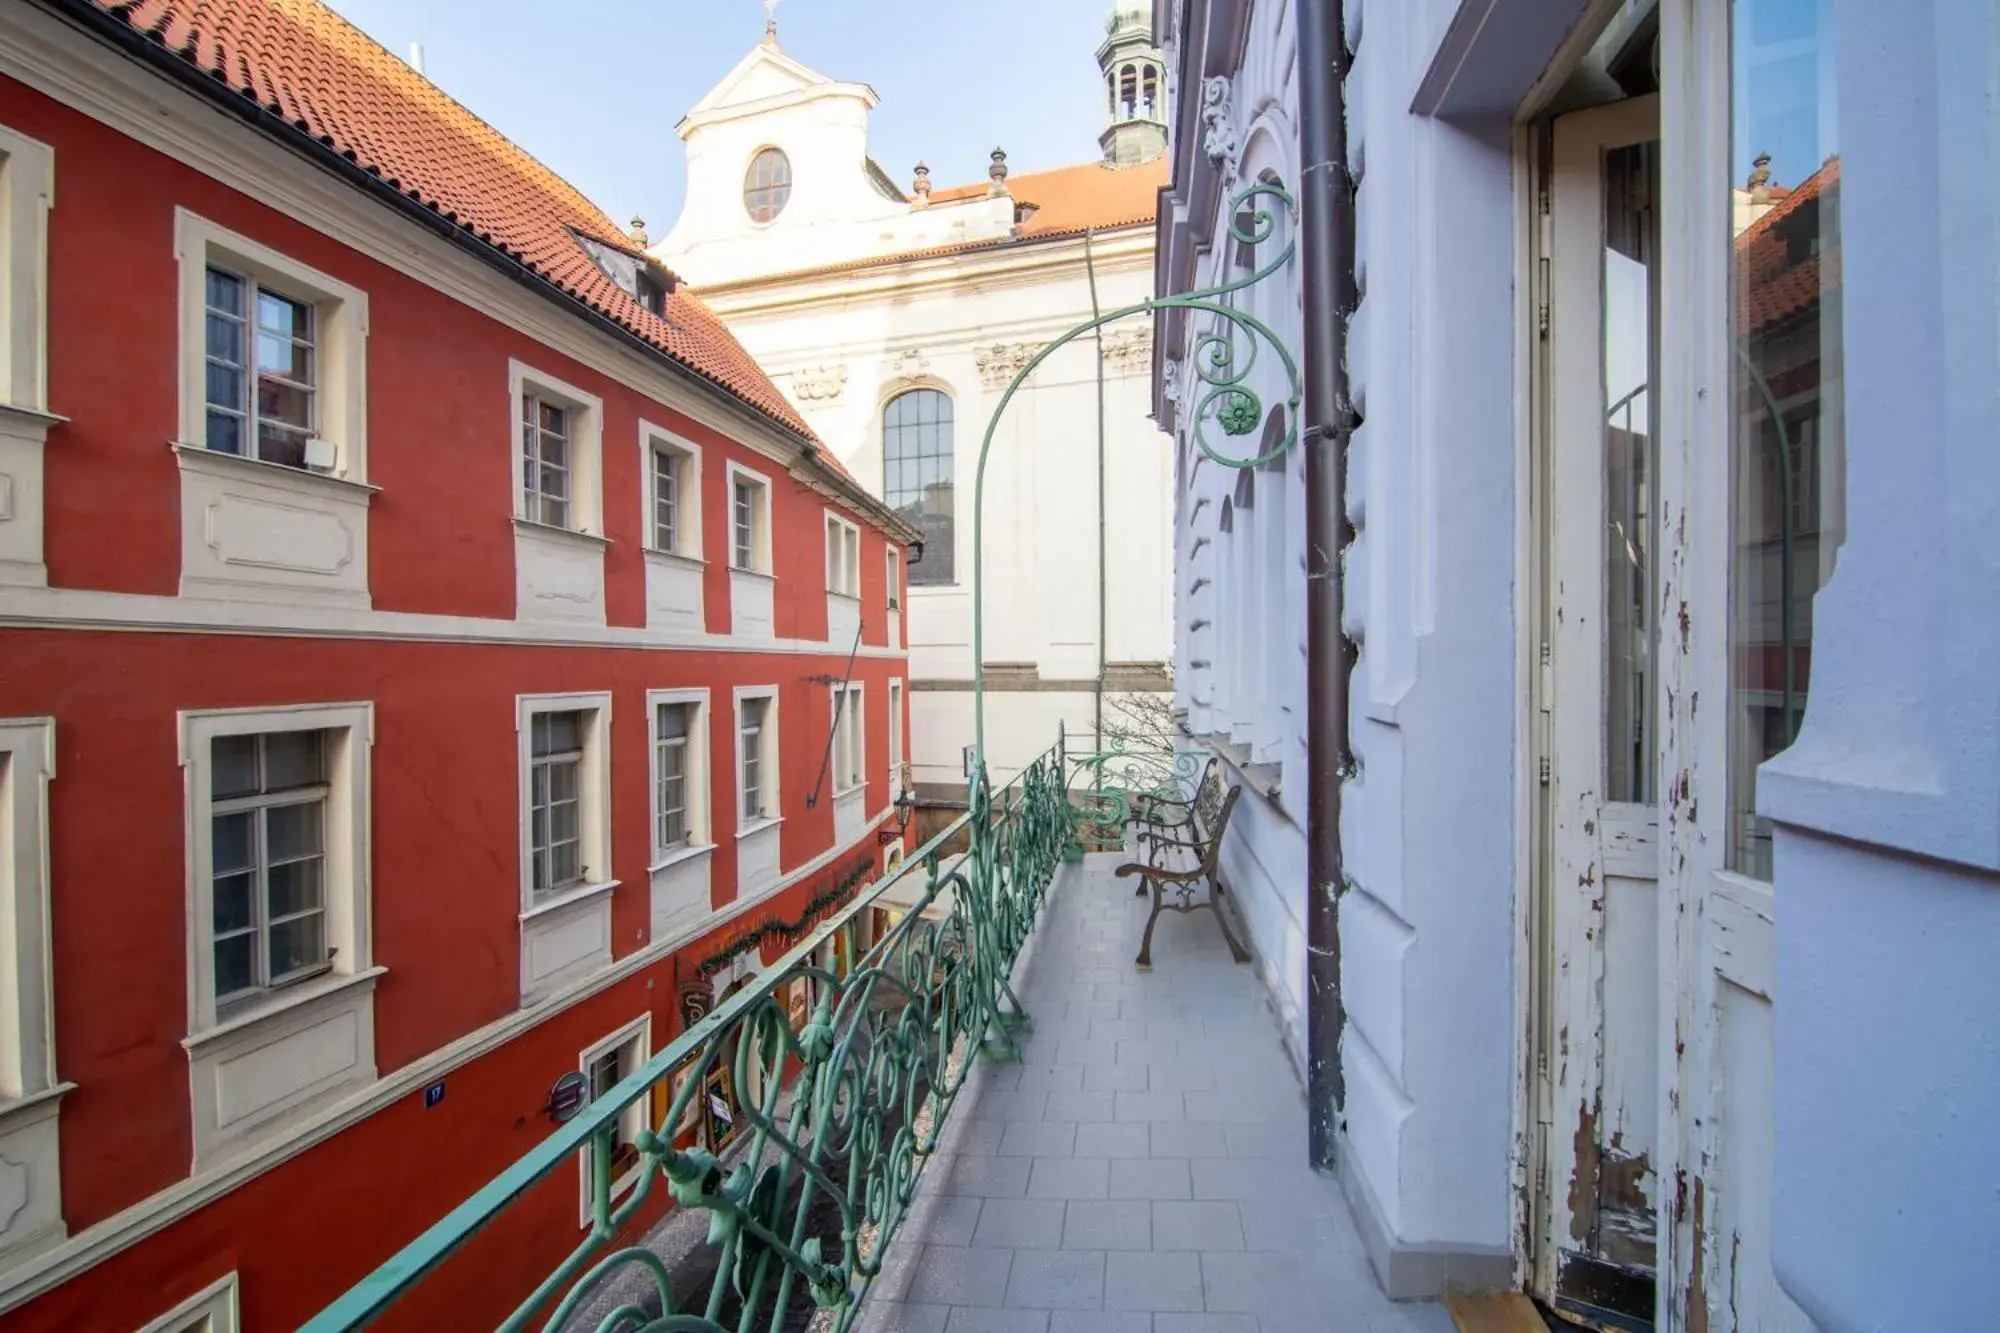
(1509, 1312)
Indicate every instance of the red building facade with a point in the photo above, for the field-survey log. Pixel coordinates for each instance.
(425, 639)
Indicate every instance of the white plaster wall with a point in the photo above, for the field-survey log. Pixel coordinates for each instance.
(1887, 843)
(1430, 825)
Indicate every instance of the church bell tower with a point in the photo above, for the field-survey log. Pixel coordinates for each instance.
(1135, 82)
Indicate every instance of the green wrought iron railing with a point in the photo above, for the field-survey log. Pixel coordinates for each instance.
(829, 1123)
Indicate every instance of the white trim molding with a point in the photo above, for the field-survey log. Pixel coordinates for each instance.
(27, 196)
(282, 1055)
(30, 1095)
(674, 574)
(681, 875)
(753, 587)
(757, 843)
(567, 934)
(559, 568)
(213, 1309)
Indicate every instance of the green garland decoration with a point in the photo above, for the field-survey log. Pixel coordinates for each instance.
(815, 911)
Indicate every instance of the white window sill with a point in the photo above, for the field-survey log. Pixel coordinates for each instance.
(567, 898)
(753, 573)
(17, 419)
(287, 1001)
(529, 527)
(752, 829)
(10, 1110)
(694, 851)
(196, 458)
(658, 556)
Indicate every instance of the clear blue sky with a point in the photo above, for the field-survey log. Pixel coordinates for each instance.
(594, 87)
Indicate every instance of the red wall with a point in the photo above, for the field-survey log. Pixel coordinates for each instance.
(445, 809)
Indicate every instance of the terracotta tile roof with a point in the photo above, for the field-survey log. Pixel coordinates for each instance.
(1773, 284)
(1067, 202)
(1074, 199)
(301, 61)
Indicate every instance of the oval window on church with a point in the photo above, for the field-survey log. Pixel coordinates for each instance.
(767, 187)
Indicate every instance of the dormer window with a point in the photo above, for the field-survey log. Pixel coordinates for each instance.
(652, 293)
(767, 186)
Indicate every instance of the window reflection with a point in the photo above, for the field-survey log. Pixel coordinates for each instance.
(1787, 447)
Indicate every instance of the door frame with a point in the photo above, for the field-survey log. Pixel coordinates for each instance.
(1601, 838)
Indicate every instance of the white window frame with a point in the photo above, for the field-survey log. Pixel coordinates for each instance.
(213, 1309)
(850, 737)
(27, 194)
(894, 560)
(341, 342)
(593, 790)
(843, 556)
(639, 1034)
(346, 883)
(586, 449)
(27, 1018)
(699, 794)
(760, 553)
(897, 691)
(655, 440)
(769, 779)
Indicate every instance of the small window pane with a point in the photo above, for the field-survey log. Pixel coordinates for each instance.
(297, 944)
(293, 831)
(295, 888)
(225, 291)
(280, 356)
(556, 733)
(235, 959)
(225, 386)
(281, 444)
(673, 721)
(282, 315)
(233, 766)
(233, 896)
(294, 759)
(225, 433)
(225, 341)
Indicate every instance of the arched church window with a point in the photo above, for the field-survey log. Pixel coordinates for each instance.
(917, 469)
(1111, 87)
(1150, 99)
(1128, 90)
(767, 186)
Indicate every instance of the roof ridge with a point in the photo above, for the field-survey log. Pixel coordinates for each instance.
(395, 67)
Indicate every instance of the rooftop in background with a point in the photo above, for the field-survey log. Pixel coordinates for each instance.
(307, 67)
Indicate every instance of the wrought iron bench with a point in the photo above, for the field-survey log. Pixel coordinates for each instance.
(1198, 838)
(1172, 814)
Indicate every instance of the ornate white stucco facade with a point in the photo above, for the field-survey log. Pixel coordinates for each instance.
(862, 289)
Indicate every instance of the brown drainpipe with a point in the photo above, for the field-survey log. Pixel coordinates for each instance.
(1326, 248)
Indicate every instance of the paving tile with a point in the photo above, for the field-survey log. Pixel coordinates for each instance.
(1081, 1106)
(1237, 1104)
(1187, 1138)
(1067, 1177)
(897, 1317)
(985, 1177)
(1200, 1226)
(1151, 1282)
(974, 1138)
(1217, 1323)
(1119, 1139)
(1255, 1140)
(1053, 1078)
(958, 1275)
(986, 1319)
(1149, 1178)
(1038, 1138)
(1100, 1321)
(1180, 1076)
(1085, 1051)
(1145, 1052)
(943, 1220)
(1149, 1106)
(1012, 1224)
(1254, 1282)
(1096, 1224)
(1118, 1029)
(1057, 1280)
(1116, 1078)
(1001, 1104)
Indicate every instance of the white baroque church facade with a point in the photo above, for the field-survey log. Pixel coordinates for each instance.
(895, 312)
